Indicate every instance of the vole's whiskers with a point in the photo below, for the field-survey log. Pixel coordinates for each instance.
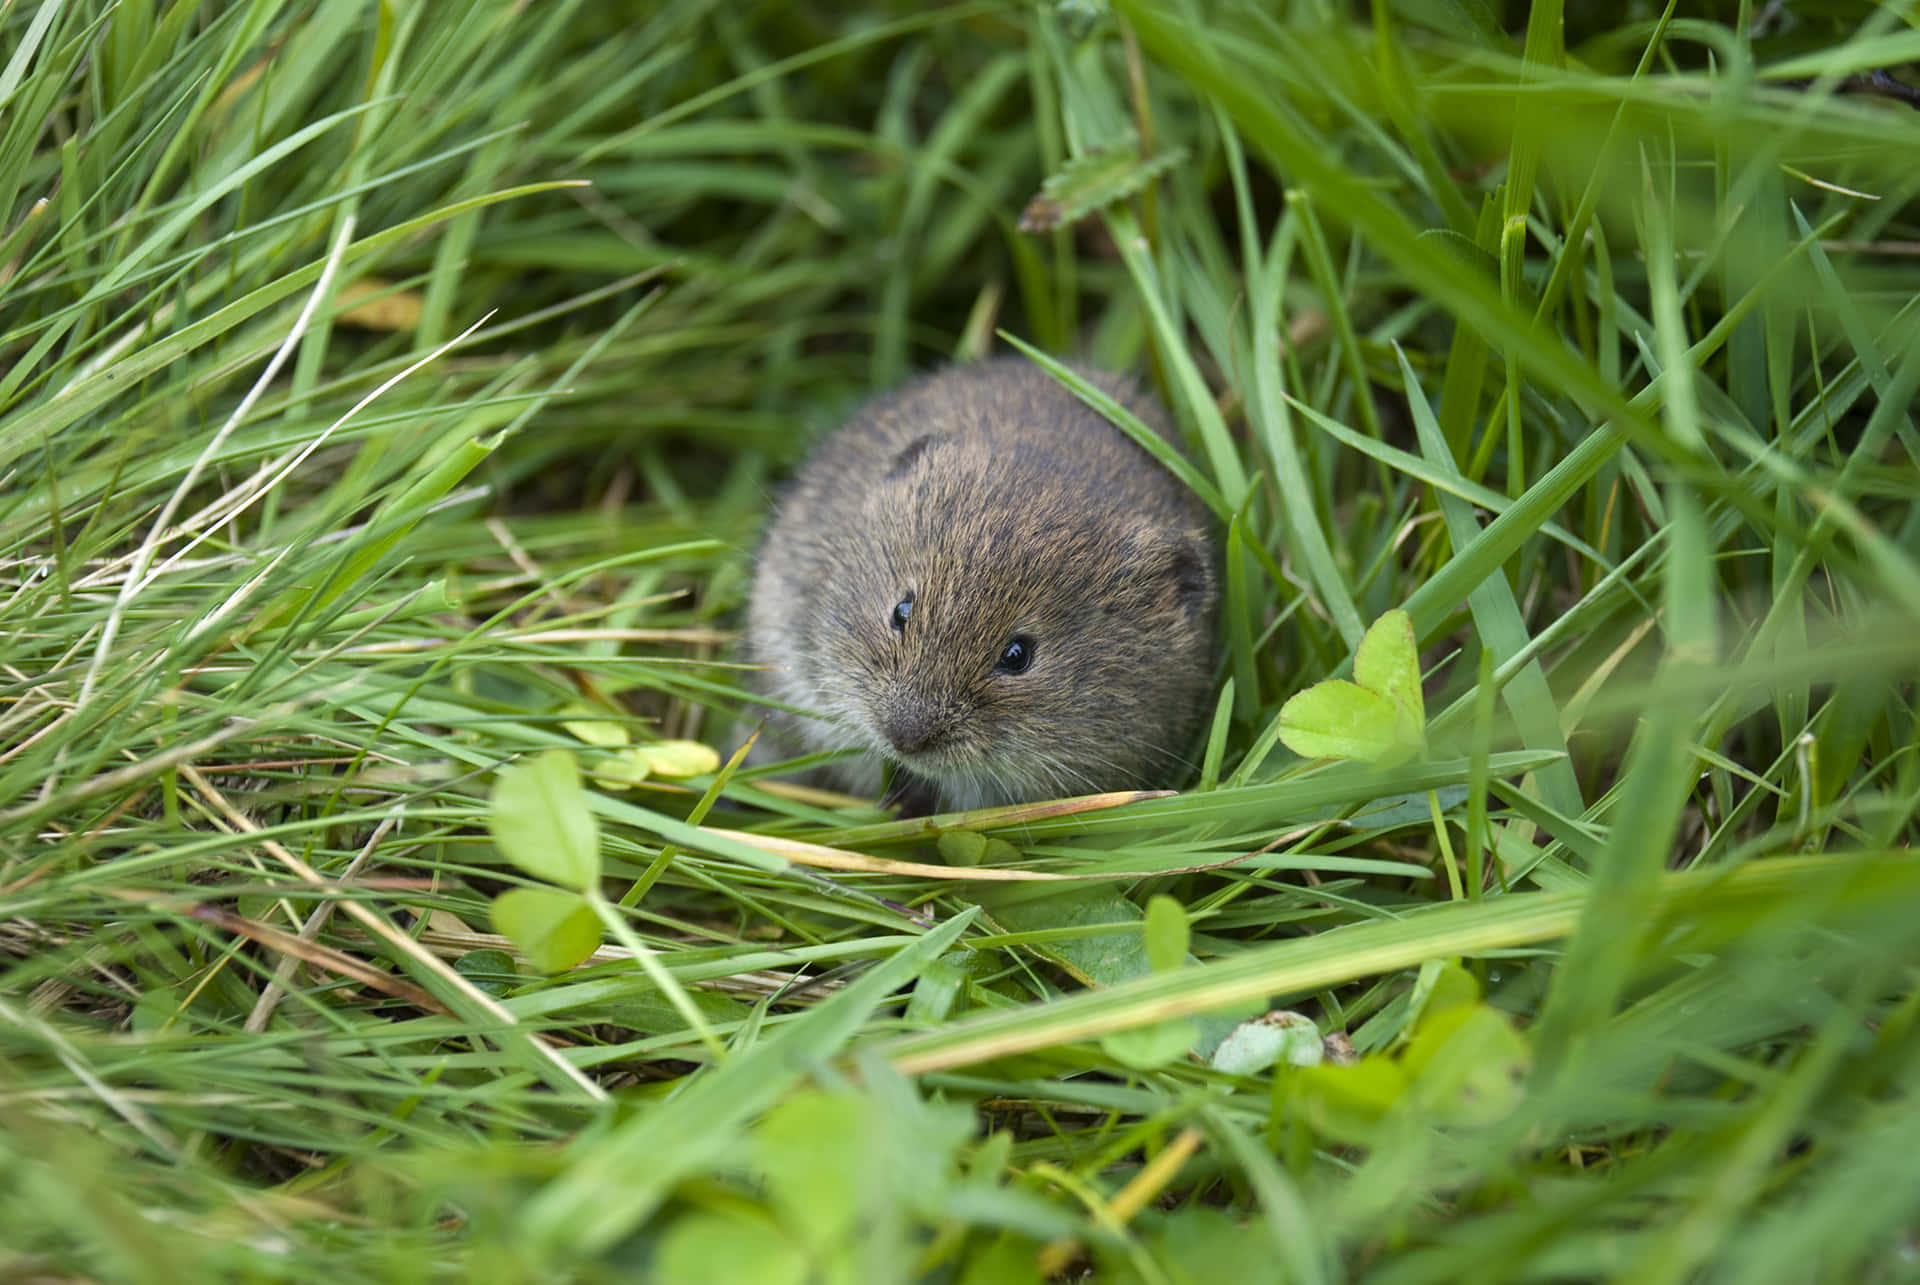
(1095, 767)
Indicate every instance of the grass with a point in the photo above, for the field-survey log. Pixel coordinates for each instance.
(392, 394)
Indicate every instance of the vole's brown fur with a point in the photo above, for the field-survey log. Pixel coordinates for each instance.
(1001, 507)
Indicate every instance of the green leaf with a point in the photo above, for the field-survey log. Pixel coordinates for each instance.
(643, 1009)
(1468, 1064)
(490, 970)
(1203, 1246)
(1442, 984)
(936, 991)
(1166, 931)
(1349, 1102)
(810, 1149)
(1157, 1044)
(1391, 813)
(1005, 1260)
(1100, 959)
(971, 848)
(539, 817)
(1002, 853)
(1107, 958)
(1088, 182)
(736, 1245)
(962, 847)
(555, 930)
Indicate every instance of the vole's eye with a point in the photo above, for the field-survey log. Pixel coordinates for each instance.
(1015, 656)
(901, 610)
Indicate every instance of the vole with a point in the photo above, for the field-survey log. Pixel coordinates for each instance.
(983, 581)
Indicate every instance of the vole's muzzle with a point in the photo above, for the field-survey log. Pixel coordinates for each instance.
(915, 724)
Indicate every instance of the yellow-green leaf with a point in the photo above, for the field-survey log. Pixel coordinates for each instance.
(962, 847)
(1441, 985)
(1388, 662)
(1380, 717)
(605, 733)
(623, 769)
(554, 930)
(1339, 720)
(679, 758)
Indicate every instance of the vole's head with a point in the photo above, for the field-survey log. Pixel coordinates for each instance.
(1002, 633)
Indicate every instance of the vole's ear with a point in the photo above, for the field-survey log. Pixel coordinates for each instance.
(1178, 567)
(907, 456)
(1190, 569)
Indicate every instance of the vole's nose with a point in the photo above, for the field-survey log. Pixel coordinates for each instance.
(914, 726)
